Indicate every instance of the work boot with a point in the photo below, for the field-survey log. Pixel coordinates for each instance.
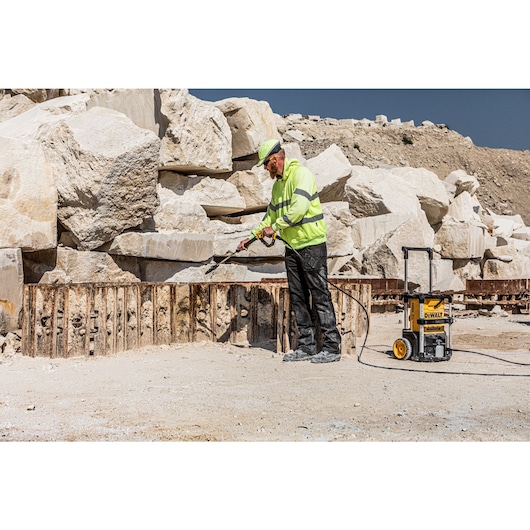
(325, 357)
(298, 355)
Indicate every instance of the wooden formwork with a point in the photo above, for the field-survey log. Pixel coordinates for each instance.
(105, 319)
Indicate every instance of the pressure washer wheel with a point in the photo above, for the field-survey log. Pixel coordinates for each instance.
(402, 349)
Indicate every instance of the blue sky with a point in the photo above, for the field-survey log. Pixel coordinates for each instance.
(498, 118)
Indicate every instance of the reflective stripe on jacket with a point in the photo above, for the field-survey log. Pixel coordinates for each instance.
(295, 211)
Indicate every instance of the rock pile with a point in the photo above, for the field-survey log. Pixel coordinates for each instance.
(152, 185)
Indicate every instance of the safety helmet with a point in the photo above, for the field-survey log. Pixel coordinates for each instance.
(268, 148)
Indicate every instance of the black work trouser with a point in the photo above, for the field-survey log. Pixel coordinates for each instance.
(307, 274)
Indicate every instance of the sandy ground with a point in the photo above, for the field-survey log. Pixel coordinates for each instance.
(222, 392)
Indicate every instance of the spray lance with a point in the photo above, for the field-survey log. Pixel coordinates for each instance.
(247, 244)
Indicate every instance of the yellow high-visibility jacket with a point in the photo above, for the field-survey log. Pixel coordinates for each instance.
(295, 210)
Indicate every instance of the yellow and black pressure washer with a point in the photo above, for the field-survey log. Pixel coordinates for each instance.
(426, 332)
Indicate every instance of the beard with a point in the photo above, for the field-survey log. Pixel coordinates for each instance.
(273, 168)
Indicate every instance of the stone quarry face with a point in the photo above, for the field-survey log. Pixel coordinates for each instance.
(169, 182)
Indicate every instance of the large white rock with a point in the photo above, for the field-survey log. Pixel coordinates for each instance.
(11, 288)
(106, 170)
(40, 120)
(460, 240)
(28, 196)
(141, 106)
(367, 230)
(197, 137)
(339, 220)
(496, 269)
(372, 192)
(385, 259)
(464, 207)
(467, 269)
(331, 168)
(175, 211)
(13, 106)
(169, 245)
(429, 189)
(254, 187)
(444, 277)
(460, 181)
(505, 225)
(216, 196)
(251, 123)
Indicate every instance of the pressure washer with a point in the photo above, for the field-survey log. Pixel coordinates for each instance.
(426, 334)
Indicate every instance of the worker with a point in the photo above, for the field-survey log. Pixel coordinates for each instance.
(296, 213)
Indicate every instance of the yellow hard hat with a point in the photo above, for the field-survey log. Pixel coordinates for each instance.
(268, 148)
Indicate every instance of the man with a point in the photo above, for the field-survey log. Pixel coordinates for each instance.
(295, 212)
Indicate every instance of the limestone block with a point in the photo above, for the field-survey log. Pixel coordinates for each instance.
(176, 212)
(331, 168)
(106, 170)
(251, 122)
(139, 105)
(197, 139)
(462, 182)
(521, 245)
(254, 187)
(215, 196)
(467, 269)
(505, 225)
(65, 266)
(339, 220)
(41, 119)
(496, 269)
(168, 245)
(367, 230)
(347, 265)
(503, 253)
(429, 189)
(372, 192)
(11, 288)
(444, 277)
(384, 259)
(460, 240)
(522, 233)
(28, 196)
(464, 207)
(13, 106)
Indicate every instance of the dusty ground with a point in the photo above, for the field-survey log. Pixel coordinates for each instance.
(221, 392)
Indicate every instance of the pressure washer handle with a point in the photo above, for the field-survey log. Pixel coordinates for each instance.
(249, 242)
(406, 251)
